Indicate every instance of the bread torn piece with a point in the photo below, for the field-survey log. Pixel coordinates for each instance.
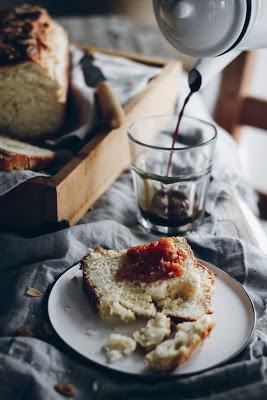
(155, 331)
(192, 303)
(118, 346)
(186, 297)
(171, 353)
(74, 279)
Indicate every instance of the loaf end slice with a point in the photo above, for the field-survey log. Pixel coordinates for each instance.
(34, 72)
(16, 155)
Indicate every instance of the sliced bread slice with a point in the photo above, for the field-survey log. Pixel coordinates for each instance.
(16, 155)
(171, 353)
(126, 300)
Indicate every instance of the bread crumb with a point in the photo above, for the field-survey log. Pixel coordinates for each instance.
(91, 353)
(101, 250)
(155, 331)
(91, 332)
(24, 330)
(32, 292)
(74, 279)
(117, 346)
(66, 389)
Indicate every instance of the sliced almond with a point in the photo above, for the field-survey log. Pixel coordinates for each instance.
(32, 292)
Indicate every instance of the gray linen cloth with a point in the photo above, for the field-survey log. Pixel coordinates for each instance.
(33, 359)
(31, 366)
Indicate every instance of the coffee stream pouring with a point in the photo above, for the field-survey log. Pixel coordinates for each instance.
(215, 31)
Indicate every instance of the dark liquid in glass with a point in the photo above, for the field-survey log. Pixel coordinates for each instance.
(170, 221)
(171, 207)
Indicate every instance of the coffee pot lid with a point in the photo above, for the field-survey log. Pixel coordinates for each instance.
(202, 28)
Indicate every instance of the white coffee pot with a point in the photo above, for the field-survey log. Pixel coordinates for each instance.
(215, 31)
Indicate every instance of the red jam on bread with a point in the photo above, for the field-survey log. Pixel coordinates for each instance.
(152, 261)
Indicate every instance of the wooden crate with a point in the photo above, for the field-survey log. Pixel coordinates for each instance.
(44, 204)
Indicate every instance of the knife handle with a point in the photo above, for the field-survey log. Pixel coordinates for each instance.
(111, 110)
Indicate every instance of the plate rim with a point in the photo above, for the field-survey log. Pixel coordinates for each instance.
(163, 375)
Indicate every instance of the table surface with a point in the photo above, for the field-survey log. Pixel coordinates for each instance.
(234, 218)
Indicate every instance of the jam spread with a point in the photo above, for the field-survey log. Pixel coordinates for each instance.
(152, 261)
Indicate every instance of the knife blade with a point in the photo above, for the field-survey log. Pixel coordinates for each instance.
(110, 107)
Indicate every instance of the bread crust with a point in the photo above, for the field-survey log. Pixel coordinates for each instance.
(11, 162)
(182, 241)
(90, 288)
(208, 288)
(24, 33)
(184, 356)
(156, 362)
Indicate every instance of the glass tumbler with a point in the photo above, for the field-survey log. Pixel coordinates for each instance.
(171, 184)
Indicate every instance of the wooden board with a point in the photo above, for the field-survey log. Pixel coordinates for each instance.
(48, 203)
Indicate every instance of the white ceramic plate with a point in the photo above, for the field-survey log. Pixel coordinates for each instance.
(72, 317)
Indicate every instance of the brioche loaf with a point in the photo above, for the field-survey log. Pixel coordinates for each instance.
(118, 346)
(15, 155)
(34, 72)
(171, 353)
(126, 300)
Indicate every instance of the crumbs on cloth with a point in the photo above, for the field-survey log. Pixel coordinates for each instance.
(66, 389)
(32, 292)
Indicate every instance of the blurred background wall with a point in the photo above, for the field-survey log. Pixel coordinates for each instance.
(137, 9)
